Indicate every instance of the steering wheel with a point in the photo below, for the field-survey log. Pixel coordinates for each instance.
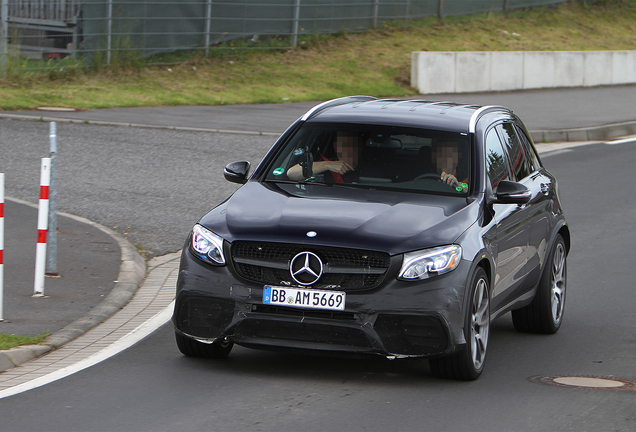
(432, 176)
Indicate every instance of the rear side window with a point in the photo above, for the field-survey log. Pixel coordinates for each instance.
(533, 160)
(518, 160)
(496, 163)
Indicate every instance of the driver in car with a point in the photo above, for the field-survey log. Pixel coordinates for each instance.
(446, 158)
(346, 159)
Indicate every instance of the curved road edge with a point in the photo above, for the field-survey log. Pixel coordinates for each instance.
(132, 272)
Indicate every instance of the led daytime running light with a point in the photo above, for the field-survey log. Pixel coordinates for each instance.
(207, 246)
(430, 262)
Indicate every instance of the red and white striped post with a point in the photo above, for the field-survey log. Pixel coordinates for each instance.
(43, 221)
(1, 245)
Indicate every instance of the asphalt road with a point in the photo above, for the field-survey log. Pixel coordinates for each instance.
(151, 387)
(150, 185)
(541, 109)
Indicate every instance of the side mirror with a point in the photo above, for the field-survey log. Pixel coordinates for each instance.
(236, 172)
(509, 192)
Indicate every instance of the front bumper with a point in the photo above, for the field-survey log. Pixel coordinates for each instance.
(397, 319)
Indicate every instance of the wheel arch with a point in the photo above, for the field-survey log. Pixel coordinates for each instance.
(559, 229)
(564, 230)
(484, 261)
(485, 264)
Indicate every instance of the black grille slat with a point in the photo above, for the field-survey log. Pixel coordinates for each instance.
(273, 310)
(267, 264)
(302, 332)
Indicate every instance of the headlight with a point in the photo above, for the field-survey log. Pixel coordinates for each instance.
(207, 245)
(430, 262)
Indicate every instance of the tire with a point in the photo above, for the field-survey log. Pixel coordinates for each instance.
(545, 313)
(193, 348)
(468, 363)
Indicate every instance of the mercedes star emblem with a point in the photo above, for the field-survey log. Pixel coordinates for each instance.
(306, 268)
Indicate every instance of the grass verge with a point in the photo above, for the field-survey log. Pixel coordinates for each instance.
(11, 341)
(376, 62)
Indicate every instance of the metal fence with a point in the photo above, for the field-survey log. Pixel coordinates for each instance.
(42, 30)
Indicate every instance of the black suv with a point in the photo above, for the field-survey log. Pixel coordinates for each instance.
(392, 227)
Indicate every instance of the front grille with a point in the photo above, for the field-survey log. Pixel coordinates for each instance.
(346, 269)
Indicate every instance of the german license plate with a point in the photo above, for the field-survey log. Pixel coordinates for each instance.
(304, 298)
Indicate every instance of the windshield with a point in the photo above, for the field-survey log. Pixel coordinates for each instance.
(388, 157)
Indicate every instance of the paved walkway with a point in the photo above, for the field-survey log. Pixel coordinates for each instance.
(88, 264)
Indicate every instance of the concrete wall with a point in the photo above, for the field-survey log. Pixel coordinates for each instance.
(464, 72)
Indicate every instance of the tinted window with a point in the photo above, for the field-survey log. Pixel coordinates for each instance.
(375, 156)
(518, 161)
(533, 160)
(496, 163)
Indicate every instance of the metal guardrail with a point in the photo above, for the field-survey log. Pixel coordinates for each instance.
(53, 29)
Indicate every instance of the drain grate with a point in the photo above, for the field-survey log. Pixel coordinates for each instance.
(586, 382)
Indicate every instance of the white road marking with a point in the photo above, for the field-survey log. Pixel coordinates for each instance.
(125, 342)
(622, 141)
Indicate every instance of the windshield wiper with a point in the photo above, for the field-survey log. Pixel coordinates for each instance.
(354, 185)
(309, 181)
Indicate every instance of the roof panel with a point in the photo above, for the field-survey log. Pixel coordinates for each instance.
(442, 115)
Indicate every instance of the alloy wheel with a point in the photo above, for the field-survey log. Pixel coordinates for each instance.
(558, 283)
(480, 323)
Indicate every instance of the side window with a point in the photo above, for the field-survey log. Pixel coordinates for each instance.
(518, 161)
(533, 160)
(496, 164)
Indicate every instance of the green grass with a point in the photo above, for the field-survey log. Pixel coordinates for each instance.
(10, 341)
(375, 62)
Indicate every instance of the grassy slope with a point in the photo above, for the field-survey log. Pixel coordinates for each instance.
(376, 62)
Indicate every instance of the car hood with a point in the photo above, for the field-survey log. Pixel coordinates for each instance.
(388, 221)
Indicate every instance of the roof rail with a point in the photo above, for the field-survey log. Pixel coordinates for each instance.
(426, 103)
(480, 112)
(335, 102)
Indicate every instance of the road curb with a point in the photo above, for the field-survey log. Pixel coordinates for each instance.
(592, 133)
(16, 356)
(138, 125)
(132, 272)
